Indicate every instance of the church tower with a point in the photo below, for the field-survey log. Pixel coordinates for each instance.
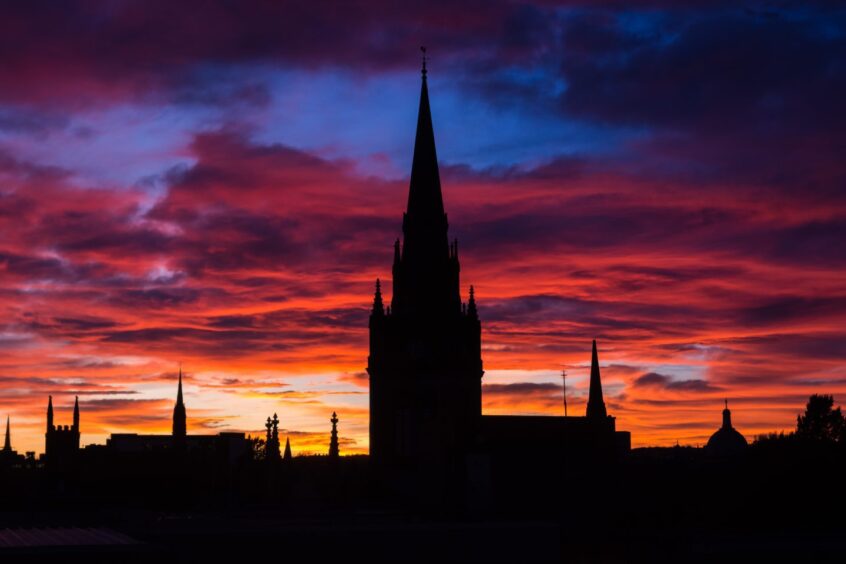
(425, 361)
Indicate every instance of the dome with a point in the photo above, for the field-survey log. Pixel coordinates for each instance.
(727, 440)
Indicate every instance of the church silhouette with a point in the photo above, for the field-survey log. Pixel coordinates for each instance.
(425, 365)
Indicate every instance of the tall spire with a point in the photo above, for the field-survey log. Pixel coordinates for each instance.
(596, 405)
(180, 423)
(288, 455)
(76, 414)
(50, 413)
(425, 201)
(7, 445)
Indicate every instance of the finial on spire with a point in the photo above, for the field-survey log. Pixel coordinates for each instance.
(423, 72)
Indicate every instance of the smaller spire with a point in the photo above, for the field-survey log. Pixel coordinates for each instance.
(288, 455)
(76, 413)
(180, 419)
(179, 387)
(471, 304)
(596, 405)
(49, 413)
(7, 445)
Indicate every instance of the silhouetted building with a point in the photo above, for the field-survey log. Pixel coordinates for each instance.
(8, 457)
(61, 442)
(727, 441)
(226, 448)
(334, 451)
(425, 362)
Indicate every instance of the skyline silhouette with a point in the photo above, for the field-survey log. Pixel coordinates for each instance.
(205, 205)
(565, 287)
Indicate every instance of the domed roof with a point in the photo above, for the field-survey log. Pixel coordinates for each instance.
(727, 440)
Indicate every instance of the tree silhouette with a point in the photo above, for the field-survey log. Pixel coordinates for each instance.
(256, 447)
(821, 422)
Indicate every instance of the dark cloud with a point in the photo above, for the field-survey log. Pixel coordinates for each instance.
(521, 388)
(656, 380)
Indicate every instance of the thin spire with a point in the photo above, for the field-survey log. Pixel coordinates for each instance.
(596, 405)
(180, 419)
(7, 445)
(288, 455)
(425, 201)
(76, 413)
(179, 387)
(50, 413)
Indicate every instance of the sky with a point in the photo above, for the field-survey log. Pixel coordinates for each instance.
(219, 185)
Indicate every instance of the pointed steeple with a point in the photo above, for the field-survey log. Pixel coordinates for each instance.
(288, 455)
(426, 278)
(50, 413)
(180, 420)
(596, 405)
(76, 414)
(727, 416)
(7, 444)
(425, 201)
